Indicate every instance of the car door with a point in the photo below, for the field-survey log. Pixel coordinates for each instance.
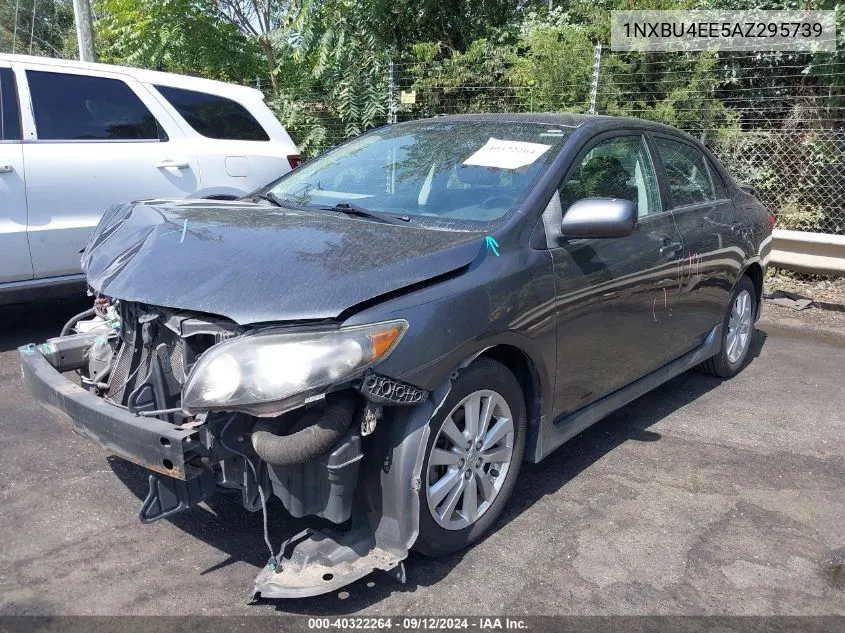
(15, 263)
(94, 139)
(614, 296)
(235, 151)
(706, 219)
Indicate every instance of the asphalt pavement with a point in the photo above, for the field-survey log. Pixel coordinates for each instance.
(702, 497)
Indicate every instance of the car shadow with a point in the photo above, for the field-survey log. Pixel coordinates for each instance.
(36, 321)
(225, 525)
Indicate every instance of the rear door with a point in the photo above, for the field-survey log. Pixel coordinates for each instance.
(94, 139)
(706, 219)
(15, 263)
(235, 151)
(615, 296)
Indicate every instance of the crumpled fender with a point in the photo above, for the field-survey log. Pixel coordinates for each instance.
(385, 520)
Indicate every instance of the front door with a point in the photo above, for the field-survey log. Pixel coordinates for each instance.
(614, 296)
(97, 139)
(15, 264)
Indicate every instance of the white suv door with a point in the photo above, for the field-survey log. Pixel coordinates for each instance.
(92, 139)
(15, 264)
(232, 139)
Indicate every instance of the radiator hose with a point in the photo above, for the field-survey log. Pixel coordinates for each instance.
(82, 315)
(312, 434)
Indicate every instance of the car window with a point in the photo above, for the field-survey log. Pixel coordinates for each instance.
(716, 179)
(214, 116)
(10, 118)
(81, 108)
(450, 174)
(619, 167)
(686, 171)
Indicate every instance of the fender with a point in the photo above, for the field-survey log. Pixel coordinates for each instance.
(385, 522)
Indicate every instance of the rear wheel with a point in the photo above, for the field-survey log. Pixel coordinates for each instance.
(737, 331)
(473, 456)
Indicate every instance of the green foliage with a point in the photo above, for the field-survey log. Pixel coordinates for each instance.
(50, 24)
(556, 66)
(189, 37)
(344, 58)
(795, 215)
(303, 121)
(472, 81)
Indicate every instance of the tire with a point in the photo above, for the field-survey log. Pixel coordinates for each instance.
(729, 361)
(443, 530)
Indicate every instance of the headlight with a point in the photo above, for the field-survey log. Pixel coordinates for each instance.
(251, 372)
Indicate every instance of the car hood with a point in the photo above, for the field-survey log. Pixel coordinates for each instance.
(253, 263)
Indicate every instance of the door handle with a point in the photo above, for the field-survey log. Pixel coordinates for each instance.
(670, 249)
(4, 169)
(172, 163)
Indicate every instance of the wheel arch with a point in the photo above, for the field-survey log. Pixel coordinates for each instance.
(520, 364)
(754, 271)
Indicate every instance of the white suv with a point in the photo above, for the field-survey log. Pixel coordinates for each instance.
(76, 138)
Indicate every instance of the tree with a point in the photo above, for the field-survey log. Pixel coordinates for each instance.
(176, 36)
(39, 27)
(267, 21)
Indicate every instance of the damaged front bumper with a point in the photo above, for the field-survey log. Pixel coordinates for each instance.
(146, 441)
(189, 462)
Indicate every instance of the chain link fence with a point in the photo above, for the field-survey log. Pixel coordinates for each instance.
(775, 120)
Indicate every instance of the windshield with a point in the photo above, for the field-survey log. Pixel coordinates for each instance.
(458, 173)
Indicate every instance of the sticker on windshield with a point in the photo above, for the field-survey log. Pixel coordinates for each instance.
(506, 154)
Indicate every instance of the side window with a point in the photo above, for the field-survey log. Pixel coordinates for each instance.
(619, 167)
(10, 116)
(687, 172)
(716, 179)
(81, 108)
(214, 116)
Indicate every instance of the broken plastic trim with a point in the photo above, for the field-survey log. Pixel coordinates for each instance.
(386, 519)
(380, 389)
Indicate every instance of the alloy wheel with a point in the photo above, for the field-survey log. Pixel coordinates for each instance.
(739, 327)
(470, 459)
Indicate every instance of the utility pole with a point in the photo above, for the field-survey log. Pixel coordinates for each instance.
(594, 86)
(84, 30)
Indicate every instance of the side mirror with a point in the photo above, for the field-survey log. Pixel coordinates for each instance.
(599, 217)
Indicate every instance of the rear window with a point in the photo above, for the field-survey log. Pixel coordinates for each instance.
(10, 120)
(214, 116)
(80, 108)
(687, 172)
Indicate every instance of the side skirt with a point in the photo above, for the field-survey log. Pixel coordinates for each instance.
(565, 428)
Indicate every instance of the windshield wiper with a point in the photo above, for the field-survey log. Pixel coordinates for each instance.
(353, 209)
(342, 207)
(269, 196)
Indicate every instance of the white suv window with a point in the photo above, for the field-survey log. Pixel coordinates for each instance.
(82, 108)
(214, 116)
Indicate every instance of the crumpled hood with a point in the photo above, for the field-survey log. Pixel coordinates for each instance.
(253, 263)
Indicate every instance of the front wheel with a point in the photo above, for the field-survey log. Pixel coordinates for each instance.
(472, 459)
(737, 331)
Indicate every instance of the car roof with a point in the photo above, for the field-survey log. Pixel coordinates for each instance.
(565, 119)
(140, 74)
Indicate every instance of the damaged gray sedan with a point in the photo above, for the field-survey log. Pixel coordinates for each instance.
(381, 337)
